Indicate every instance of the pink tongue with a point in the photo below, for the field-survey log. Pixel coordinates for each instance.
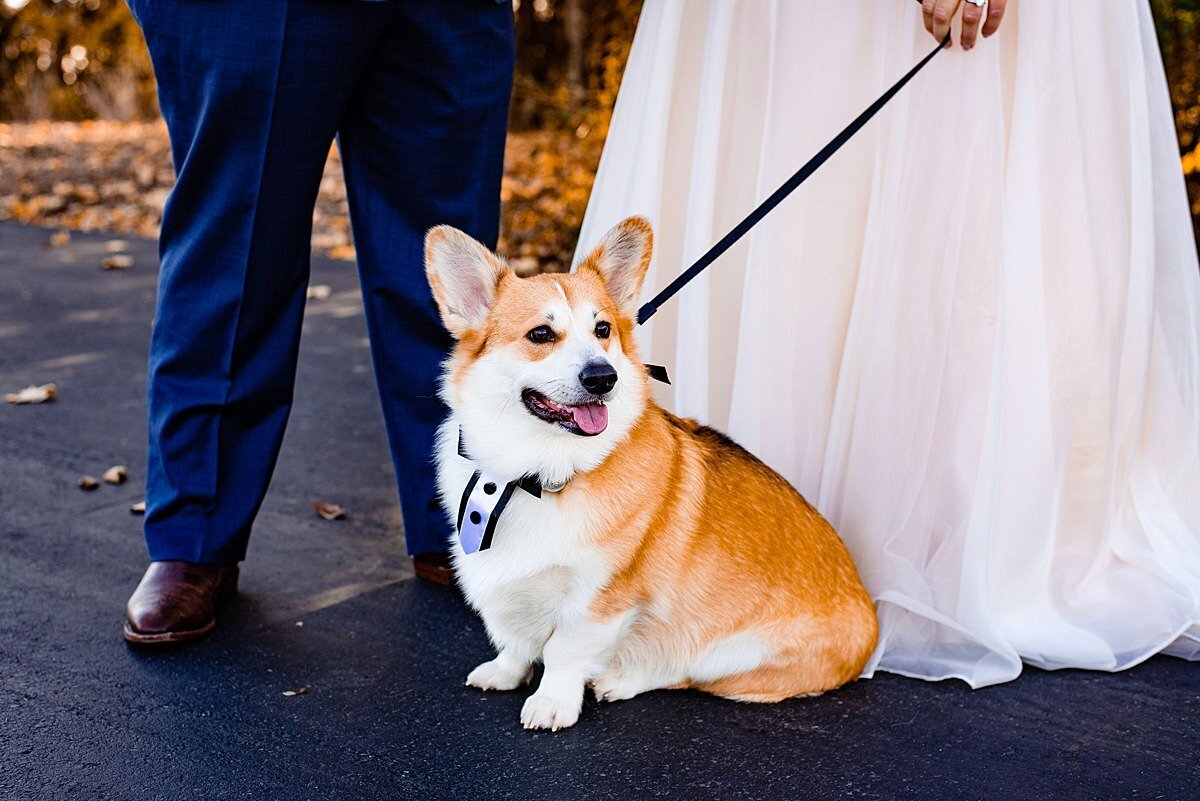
(591, 418)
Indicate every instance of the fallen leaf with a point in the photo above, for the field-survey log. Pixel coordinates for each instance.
(138, 508)
(114, 246)
(320, 292)
(33, 394)
(60, 239)
(299, 624)
(88, 483)
(330, 511)
(48, 204)
(116, 474)
(121, 261)
(291, 693)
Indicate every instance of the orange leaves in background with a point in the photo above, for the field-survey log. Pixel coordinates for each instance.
(547, 178)
(115, 176)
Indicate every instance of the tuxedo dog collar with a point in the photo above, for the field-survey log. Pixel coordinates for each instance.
(483, 501)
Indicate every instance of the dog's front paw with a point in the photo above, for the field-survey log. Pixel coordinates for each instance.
(543, 711)
(499, 674)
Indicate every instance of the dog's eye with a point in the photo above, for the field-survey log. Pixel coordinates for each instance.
(543, 333)
(603, 330)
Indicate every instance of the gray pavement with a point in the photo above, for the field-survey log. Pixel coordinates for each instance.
(383, 656)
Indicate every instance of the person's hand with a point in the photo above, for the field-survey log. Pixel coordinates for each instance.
(939, 14)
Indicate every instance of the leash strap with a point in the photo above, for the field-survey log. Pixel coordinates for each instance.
(648, 310)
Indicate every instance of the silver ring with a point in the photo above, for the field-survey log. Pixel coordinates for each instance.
(978, 3)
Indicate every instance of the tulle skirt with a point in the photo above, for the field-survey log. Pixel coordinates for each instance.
(972, 339)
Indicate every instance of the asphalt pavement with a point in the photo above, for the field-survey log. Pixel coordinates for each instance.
(332, 608)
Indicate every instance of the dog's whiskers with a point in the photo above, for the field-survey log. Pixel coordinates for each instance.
(503, 407)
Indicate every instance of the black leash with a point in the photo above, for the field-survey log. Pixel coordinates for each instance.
(647, 311)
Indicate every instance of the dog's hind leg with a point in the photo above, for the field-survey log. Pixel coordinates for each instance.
(618, 683)
(820, 664)
(771, 683)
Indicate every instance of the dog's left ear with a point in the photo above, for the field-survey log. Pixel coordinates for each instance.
(463, 275)
(621, 259)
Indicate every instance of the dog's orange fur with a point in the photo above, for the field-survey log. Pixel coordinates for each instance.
(733, 548)
(695, 525)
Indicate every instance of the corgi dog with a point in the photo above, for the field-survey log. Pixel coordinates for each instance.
(668, 557)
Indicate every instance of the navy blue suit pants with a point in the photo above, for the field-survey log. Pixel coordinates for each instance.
(253, 93)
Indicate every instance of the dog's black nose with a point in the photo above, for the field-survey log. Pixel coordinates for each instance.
(598, 378)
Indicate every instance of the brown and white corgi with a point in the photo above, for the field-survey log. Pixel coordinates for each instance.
(670, 557)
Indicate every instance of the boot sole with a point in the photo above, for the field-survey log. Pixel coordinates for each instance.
(166, 637)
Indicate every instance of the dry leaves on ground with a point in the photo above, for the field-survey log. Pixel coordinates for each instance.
(293, 693)
(330, 511)
(138, 508)
(116, 176)
(33, 394)
(117, 474)
(121, 261)
(105, 175)
(88, 483)
(90, 176)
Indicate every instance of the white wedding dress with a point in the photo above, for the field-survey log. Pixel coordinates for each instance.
(972, 339)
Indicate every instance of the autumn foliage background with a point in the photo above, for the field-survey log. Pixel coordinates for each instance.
(82, 147)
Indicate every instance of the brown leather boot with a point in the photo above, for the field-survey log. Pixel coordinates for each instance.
(432, 567)
(174, 601)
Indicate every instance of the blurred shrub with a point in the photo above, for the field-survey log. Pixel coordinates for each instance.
(570, 56)
(85, 59)
(73, 60)
(1178, 24)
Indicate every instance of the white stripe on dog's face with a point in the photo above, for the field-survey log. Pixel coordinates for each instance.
(576, 346)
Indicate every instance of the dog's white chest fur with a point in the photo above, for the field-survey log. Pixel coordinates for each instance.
(540, 564)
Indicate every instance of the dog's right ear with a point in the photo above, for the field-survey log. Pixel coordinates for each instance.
(463, 275)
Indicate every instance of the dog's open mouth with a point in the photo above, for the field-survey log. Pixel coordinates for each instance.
(586, 419)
